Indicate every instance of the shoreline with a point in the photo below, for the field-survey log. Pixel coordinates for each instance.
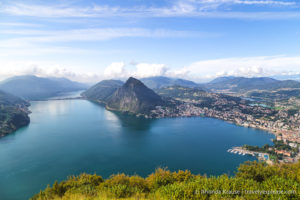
(276, 133)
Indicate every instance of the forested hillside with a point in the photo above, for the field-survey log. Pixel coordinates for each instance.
(13, 113)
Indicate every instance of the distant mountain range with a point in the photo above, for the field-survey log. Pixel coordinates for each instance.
(266, 89)
(157, 82)
(13, 113)
(231, 85)
(102, 90)
(37, 88)
(295, 77)
(241, 84)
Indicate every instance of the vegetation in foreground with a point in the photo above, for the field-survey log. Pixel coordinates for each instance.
(254, 180)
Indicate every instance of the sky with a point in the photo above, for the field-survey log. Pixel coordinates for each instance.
(89, 40)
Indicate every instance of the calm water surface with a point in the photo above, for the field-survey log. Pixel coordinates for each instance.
(74, 136)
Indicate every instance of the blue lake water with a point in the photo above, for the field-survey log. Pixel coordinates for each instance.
(69, 137)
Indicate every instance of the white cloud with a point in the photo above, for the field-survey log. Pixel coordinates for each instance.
(213, 4)
(182, 8)
(17, 24)
(244, 66)
(10, 69)
(141, 70)
(30, 42)
(146, 70)
(246, 71)
(115, 70)
(19, 38)
(208, 69)
(198, 71)
(265, 2)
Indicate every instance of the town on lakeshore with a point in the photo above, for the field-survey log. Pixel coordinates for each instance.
(282, 124)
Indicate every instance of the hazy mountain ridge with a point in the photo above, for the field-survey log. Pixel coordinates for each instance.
(13, 113)
(241, 84)
(295, 77)
(102, 90)
(38, 88)
(157, 82)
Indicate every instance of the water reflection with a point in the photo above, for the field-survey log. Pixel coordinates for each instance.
(135, 123)
(130, 122)
(73, 94)
(111, 116)
(53, 107)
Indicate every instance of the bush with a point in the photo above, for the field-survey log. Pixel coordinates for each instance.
(253, 180)
(161, 177)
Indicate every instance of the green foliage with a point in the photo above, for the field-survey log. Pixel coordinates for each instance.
(292, 112)
(163, 177)
(257, 171)
(254, 180)
(84, 184)
(121, 185)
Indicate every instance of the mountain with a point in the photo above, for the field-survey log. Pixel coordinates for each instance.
(7, 99)
(295, 77)
(102, 90)
(162, 81)
(241, 84)
(37, 88)
(13, 113)
(222, 79)
(134, 97)
(68, 84)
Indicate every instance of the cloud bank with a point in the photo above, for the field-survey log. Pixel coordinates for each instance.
(200, 71)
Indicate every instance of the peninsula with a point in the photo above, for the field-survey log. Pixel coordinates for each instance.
(13, 113)
(135, 98)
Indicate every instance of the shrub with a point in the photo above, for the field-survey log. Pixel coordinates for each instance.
(250, 182)
(161, 177)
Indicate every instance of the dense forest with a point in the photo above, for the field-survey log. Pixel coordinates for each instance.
(253, 180)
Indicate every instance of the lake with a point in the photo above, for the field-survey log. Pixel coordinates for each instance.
(69, 137)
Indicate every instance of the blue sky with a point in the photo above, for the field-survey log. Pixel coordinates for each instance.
(195, 39)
